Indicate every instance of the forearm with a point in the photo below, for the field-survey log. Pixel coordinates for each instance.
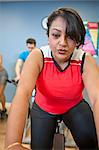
(16, 120)
(18, 71)
(18, 68)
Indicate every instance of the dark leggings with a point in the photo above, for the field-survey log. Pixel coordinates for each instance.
(79, 120)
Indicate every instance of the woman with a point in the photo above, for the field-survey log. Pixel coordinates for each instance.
(60, 75)
(3, 81)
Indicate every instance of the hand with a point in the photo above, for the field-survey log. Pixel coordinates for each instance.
(18, 147)
(17, 78)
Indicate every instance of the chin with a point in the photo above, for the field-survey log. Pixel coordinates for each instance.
(62, 58)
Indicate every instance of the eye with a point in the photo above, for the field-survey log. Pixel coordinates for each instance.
(55, 35)
(69, 39)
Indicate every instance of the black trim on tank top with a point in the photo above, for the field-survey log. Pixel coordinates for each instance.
(43, 58)
(57, 65)
(82, 64)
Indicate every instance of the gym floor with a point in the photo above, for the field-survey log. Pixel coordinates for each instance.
(3, 131)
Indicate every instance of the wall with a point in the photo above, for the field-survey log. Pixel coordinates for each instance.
(20, 20)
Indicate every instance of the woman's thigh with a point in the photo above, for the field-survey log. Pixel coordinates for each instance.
(42, 129)
(80, 121)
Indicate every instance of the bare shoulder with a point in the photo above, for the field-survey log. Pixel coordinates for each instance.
(90, 63)
(36, 53)
(90, 59)
(33, 65)
(35, 58)
(90, 67)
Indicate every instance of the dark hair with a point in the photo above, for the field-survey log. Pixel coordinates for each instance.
(31, 41)
(75, 28)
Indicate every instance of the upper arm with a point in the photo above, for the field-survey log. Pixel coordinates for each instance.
(91, 77)
(30, 72)
(19, 63)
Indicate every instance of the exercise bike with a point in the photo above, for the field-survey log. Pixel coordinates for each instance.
(63, 138)
(59, 138)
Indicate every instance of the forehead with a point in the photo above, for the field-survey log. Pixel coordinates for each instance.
(58, 23)
(30, 45)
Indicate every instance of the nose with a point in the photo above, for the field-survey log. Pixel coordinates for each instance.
(63, 41)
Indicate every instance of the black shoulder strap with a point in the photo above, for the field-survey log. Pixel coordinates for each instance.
(82, 64)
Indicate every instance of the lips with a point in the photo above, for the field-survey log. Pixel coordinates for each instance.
(62, 51)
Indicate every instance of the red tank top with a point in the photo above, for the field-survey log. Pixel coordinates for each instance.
(58, 90)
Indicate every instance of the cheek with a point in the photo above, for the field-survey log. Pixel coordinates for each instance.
(72, 46)
(50, 38)
(51, 42)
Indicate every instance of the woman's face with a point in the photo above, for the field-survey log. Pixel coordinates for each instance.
(61, 46)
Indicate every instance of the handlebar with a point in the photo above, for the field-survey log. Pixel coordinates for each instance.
(12, 81)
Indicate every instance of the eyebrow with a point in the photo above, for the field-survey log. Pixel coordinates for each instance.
(56, 29)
